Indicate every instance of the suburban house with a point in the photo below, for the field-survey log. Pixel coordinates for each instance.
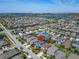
(73, 56)
(29, 38)
(75, 43)
(52, 50)
(67, 43)
(9, 54)
(60, 40)
(39, 44)
(45, 46)
(48, 36)
(3, 42)
(60, 55)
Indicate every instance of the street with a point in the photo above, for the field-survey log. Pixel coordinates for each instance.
(18, 44)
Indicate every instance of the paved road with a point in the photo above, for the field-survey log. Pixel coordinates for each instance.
(4, 31)
(18, 44)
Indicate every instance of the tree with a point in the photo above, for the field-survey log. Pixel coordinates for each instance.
(52, 57)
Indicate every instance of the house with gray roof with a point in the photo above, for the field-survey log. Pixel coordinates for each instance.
(60, 55)
(75, 44)
(3, 42)
(60, 40)
(73, 56)
(29, 38)
(52, 50)
(9, 54)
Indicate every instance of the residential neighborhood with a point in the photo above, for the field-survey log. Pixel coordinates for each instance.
(31, 37)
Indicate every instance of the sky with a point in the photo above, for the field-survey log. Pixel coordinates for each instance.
(39, 6)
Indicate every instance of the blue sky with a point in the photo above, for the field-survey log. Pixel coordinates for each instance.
(39, 6)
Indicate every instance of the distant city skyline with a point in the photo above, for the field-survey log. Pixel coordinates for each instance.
(39, 6)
